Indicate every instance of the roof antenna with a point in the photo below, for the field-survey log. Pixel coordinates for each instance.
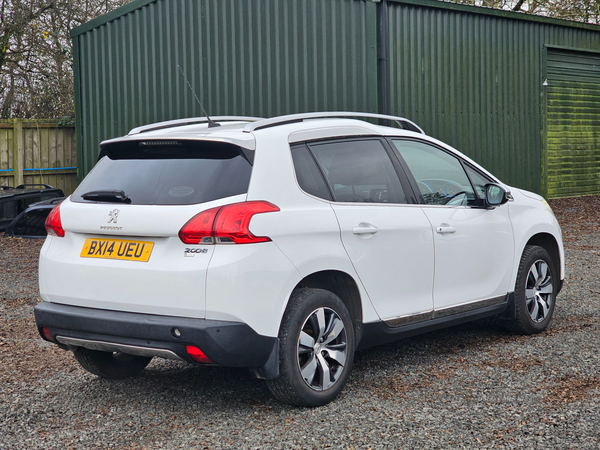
(211, 123)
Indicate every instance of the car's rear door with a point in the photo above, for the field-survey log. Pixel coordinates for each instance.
(388, 240)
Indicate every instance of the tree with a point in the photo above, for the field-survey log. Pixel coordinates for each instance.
(36, 74)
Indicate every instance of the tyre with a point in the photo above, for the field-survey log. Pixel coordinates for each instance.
(110, 365)
(317, 345)
(535, 291)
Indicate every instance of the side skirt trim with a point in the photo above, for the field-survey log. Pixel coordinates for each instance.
(446, 312)
(377, 333)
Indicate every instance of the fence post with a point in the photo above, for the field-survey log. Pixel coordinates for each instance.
(18, 152)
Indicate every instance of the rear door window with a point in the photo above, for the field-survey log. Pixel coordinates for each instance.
(359, 171)
(170, 173)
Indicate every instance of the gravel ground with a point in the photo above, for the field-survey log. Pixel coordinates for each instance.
(473, 386)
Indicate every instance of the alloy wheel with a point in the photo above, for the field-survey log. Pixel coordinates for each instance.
(538, 291)
(322, 349)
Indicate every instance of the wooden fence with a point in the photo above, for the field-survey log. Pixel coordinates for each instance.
(38, 151)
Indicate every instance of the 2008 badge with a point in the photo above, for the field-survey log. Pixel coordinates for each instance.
(190, 252)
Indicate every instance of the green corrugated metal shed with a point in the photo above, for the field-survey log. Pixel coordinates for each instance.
(473, 77)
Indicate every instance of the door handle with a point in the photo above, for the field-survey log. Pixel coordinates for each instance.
(364, 228)
(445, 229)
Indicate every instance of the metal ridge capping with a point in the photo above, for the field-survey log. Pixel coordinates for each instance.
(445, 4)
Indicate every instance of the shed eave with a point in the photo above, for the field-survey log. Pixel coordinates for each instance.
(498, 13)
(109, 16)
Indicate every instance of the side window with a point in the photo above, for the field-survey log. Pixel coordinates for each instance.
(359, 171)
(479, 181)
(439, 175)
(308, 174)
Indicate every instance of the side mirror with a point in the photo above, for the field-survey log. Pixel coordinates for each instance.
(496, 195)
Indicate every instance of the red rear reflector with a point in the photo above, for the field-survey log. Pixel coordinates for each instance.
(45, 332)
(226, 224)
(53, 223)
(197, 355)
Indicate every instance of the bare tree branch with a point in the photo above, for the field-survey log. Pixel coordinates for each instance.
(36, 75)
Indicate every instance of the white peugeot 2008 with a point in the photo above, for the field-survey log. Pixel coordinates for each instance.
(284, 245)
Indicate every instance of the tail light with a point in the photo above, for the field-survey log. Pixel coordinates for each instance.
(197, 355)
(225, 224)
(53, 223)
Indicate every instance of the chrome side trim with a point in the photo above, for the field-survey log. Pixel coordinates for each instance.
(446, 312)
(407, 320)
(112, 347)
(469, 307)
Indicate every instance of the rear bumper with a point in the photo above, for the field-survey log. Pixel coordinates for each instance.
(230, 344)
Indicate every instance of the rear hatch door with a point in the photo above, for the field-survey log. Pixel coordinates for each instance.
(121, 249)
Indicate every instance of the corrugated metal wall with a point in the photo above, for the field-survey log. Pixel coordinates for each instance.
(259, 57)
(472, 77)
(573, 123)
(475, 81)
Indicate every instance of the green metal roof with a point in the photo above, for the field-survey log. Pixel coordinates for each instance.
(137, 4)
(497, 13)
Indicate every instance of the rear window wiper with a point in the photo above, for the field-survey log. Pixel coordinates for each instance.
(109, 196)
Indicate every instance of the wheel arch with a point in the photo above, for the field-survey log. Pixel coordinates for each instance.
(549, 243)
(342, 285)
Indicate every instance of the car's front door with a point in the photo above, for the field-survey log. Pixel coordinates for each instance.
(474, 247)
(389, 241)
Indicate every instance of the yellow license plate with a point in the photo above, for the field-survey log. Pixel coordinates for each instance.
(117, 249)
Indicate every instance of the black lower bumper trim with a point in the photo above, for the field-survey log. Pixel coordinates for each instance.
(230, 344)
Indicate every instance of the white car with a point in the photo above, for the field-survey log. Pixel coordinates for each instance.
(284, 245)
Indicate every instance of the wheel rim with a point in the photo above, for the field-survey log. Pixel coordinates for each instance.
(322, 349)
(538, 291)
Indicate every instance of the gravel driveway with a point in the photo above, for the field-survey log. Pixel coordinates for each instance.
(473, 386)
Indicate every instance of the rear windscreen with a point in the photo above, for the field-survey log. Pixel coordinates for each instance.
(169, 172)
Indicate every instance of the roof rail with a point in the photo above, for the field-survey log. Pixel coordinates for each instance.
(189, 121)
(403, 123)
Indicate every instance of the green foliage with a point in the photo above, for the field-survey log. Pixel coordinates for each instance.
(67, 121)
